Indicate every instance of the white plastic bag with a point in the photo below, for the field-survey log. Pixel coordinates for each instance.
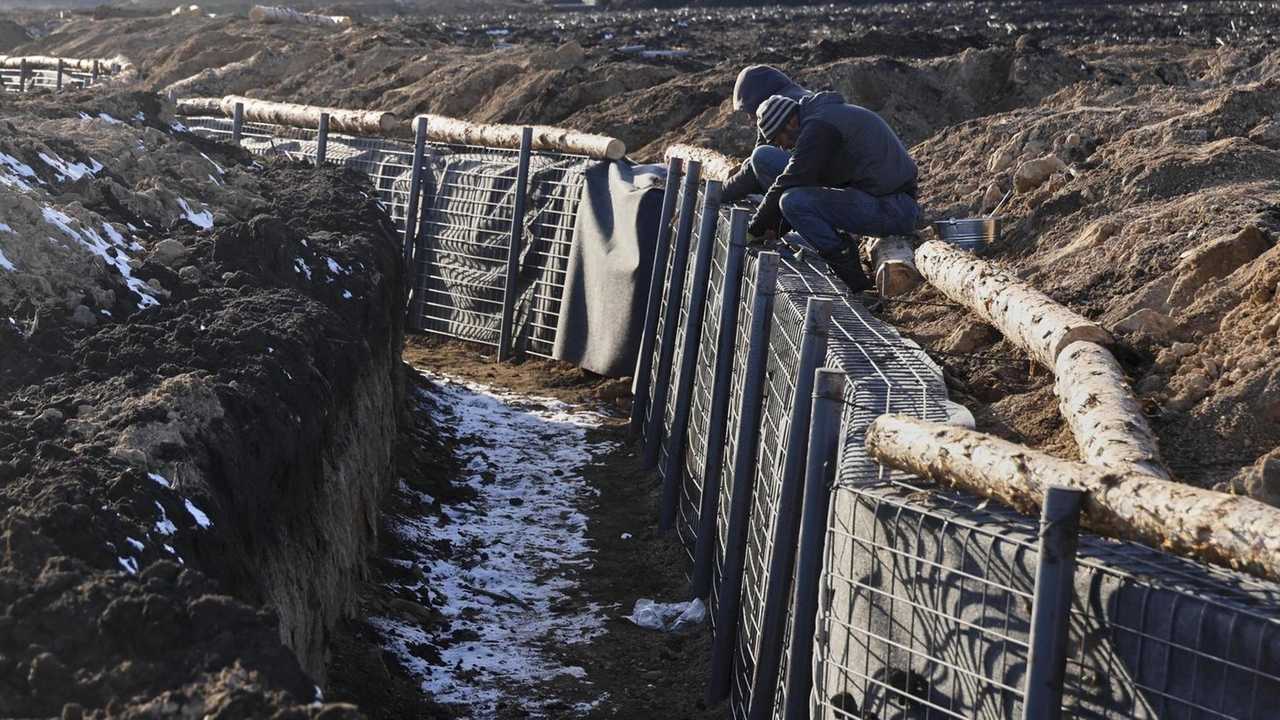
(668, 617)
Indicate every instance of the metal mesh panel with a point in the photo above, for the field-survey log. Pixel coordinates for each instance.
(45, 78)
(737, 385)
(784, 357)
(697, 442)
(466, 206)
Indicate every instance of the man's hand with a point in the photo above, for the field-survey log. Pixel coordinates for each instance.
(753, 239)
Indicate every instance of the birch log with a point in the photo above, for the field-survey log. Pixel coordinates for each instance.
(715, 166)
(303, 116)
(268, 14)
(1228, 530)
(894, 263)
(1095, 399)
(448, 130)
(1021, 313)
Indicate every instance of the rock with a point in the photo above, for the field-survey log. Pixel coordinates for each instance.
(1266, 134)
(1215, 259)
(970, 336)
(83, 316)
(169, 253)
(1149, 322)
(992, 196)
(1000, 161)
(1261, 480)
(1033, 173)
(48, 676)
(190, 274)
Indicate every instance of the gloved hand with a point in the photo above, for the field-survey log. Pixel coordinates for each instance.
(753, 239)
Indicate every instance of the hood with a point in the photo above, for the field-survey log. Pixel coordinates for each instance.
(757, 82)
(826, 97)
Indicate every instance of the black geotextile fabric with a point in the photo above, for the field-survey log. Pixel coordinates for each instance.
(610, 263)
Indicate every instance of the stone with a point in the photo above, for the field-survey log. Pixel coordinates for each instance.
(1148, 322)
(1215, 259)
(1033, 173)
(1266, 134)
(1261, 480)
(83, 316)
(169, 253)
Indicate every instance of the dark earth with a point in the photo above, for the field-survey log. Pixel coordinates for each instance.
(269, 384)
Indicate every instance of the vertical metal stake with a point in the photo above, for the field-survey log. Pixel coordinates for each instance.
(713, 469)
(644, 362)
(819, 477)
(237, 123)
(674, 294)
(97, 69)
(813, 352)
(505, 331)
(322, 139)
(415, 189)
(22, 75)
(746, 444)
(61, 68)
(1051, 608)
(672, 471)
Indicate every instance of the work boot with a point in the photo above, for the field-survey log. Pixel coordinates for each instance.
(846, 266)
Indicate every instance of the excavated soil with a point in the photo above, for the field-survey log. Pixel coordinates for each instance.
(194, 286)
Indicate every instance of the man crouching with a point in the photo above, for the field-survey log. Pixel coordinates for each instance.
(836, 168)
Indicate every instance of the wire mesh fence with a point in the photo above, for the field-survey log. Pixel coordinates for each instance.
(466, 225)
(26, 79)
(926, 596)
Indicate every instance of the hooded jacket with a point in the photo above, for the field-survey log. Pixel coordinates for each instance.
(757, 82)
(839, 145)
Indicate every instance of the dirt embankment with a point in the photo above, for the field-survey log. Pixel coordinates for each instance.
(201, 394)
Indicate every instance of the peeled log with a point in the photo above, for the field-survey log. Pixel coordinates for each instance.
(1021, 313)
(715, 166)
(267, 14)
(1228, 530)
(1095, 399)
(368, 122)
(442, 129)
(893, 260)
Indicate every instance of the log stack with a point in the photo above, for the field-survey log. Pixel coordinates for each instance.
(715, 166)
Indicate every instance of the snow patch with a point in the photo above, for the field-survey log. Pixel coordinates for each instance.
(202, 219)
(201, 519)
(74, 170)
(160, 479)
(517, 548)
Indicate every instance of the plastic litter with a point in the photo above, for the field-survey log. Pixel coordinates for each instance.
(668, 617)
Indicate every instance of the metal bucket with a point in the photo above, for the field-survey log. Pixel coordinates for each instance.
(971, 234)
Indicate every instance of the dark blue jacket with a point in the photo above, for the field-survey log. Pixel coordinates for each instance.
(839, 145)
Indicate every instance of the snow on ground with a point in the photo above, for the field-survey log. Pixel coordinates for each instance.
(506, 583)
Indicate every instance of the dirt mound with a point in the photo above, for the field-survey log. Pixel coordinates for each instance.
(160, 296)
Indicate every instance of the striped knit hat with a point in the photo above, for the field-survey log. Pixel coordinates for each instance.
(773, 113)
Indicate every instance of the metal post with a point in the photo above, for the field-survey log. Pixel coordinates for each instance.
(743, 466)
(237, 123)
(786, 526)
(322, 139)
(730, 297)
(819, 477)
(1051, 606)
(58, 81)
(22, 75)
(415, 189)
(674, 292)
(672, 473)
(644, 362)
(96, 71)
(505, 331)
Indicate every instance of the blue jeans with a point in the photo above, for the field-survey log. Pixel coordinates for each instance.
(817, 212)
